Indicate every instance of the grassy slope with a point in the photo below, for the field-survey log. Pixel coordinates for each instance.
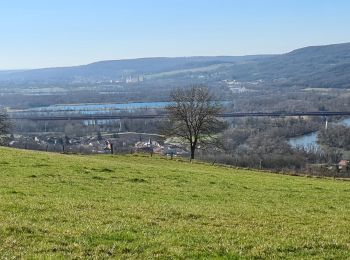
(135, 206)
(193, 70)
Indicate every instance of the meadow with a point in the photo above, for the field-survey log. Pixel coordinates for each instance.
(135, 206)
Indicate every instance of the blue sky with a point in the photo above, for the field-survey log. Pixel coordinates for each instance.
(46, 33)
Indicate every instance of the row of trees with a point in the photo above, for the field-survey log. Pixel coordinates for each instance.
(335, 136)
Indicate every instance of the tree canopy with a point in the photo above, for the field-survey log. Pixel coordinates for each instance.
(193, 116)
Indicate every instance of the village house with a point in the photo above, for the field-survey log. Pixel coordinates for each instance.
(149, 146)
(343, 165)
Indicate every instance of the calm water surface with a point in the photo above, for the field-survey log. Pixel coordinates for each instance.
(310, 140)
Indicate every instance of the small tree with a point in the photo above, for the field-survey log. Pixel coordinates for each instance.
(99, 136)
(193, 116)
(4, 126)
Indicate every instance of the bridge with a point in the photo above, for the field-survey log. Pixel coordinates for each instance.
(159, 116)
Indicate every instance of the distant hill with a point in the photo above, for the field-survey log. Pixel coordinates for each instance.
(319, 66)
(115, 69)
(326, 66)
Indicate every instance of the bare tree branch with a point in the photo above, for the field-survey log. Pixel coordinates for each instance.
(193, 116)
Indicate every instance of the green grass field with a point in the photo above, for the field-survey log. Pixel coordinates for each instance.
(209, 68)
(66, 206)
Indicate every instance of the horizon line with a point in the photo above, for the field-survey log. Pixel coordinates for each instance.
(161, 57)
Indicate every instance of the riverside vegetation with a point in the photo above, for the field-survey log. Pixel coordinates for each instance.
(134, 206)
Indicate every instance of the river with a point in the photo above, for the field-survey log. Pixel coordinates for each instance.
(310, 140)
(96, 108)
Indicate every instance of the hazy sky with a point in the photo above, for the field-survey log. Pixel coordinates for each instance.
(43, 33)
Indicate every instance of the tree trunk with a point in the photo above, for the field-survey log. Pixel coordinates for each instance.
(112, 149)
(193, 148)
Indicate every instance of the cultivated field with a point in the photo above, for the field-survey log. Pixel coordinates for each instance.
(54, 205)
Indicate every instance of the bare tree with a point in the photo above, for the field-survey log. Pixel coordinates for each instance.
(193, 116)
